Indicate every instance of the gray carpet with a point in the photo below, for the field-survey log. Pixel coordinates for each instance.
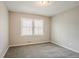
(46, 50)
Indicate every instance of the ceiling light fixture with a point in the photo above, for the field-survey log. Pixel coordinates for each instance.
(44, 3)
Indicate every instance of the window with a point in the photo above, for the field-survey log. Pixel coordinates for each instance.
(31, 27)
(38, 27)
(26, 28)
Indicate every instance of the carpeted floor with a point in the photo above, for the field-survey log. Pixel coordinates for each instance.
(46, 50)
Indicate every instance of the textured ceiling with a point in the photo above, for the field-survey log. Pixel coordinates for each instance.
(33, 7)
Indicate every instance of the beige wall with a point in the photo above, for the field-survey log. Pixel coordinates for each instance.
(15, 30)
(65, 29)
(3, 29)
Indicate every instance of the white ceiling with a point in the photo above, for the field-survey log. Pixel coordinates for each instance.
(33, 7)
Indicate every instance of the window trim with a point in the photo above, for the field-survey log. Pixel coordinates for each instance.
(33, 27)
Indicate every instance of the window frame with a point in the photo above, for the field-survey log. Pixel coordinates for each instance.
(33, 27)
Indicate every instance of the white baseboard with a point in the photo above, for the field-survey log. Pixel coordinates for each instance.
(4, 52)
(65, 47)
(27, 44)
